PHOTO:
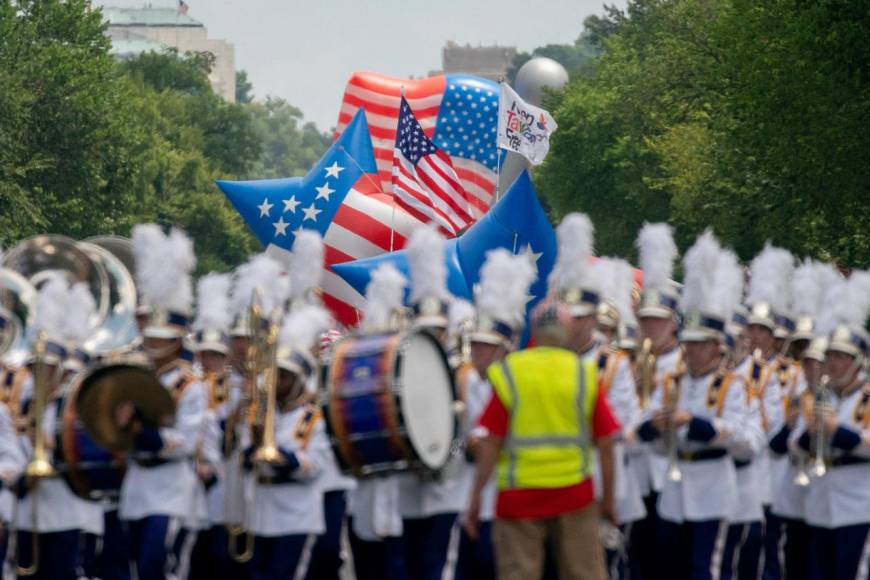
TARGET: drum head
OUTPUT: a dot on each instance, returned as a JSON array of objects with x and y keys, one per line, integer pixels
[{"x": 427, "y": 399}]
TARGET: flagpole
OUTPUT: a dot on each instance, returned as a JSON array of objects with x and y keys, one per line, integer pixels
[{"x": 497, "y": 148}]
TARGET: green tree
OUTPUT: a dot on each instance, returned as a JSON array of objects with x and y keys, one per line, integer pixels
[
  {"x": 289, "y": 148},
  {"x": 244, "y": 88}
]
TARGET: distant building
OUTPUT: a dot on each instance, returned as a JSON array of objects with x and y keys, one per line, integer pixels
[
  {"x": 137, "y": 30},
  {"x": 491, "y": 62}
]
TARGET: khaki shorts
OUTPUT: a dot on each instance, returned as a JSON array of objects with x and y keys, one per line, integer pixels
[{"x": 574, "y": 536}]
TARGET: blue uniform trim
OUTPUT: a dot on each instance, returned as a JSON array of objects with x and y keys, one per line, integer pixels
[
  {"x": 845, "y": 439},
  {"x": 148, "y": 440},
  {"x": 292, "y": 462},
  {"x": 779, "y": 443},
  {"x": 647, "y": 432},
  {"x": 701, "y": 430}
]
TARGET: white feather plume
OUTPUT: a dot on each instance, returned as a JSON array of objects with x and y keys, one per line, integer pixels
[
  {"x": 835, "y": 307},
  {"x": 384, "y": 295},
  {"x": 306, "y": 263},
  {"x": 459, "y": 312},
  {"x": 572, "y": 269},
  {"x": 80, "y": 307},
  {"x": 51, "y": 308},
  {"x": 302, "y": 328},
  {"x": 163, "y": 267},
  {"x": 727, "y": 290},
  {"x": 504, "y": 286},
  {"x": 261, "y": 273},
  {"x": 213, "y": 303},
  {"x": 810, "y": 282},
  {"x": 699, "y": 264},
  {"x": 425, "y": 250},
  {"x": 770, "y": 278},
  {"x": 615, "y": 282},
  {"x": 657, "y": 251}
]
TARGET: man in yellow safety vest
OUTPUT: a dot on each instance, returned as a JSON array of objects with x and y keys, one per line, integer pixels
[{"x": 544, "y": 421}]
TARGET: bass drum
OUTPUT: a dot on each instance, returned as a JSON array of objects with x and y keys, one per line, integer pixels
[
  {"x": 389, "y": 403},
  {"x": 91, "y": 471}
]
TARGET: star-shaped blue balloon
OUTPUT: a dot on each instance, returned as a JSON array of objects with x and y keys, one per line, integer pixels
[
  {"x": 517, "y": 222},
  {"x": 275, "y": 209}
]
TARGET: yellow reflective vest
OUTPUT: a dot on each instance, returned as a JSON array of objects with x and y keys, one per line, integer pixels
[{"x": 550, "y": 395}]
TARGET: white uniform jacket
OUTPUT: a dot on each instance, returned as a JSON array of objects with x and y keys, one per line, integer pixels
[
  {"x": 57, "y": 507},
  {"x": 649, "y": 467},
  {"x": 288, "y": 499},
  {"x": 708, "y": 488},
  {"x": 842, "y": 496},
  {"x": 616, "y": 379},
  {"x": 164, "y": 483}
]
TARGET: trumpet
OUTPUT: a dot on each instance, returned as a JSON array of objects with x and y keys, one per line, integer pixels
[
  {"x": 40, "y": 466},
  {"x": 671, "y": 397},
  {"x": 820, "y": 441},
  {"x": 645, "y": 370}
]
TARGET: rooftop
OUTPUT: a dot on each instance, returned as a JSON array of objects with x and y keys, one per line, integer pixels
[
  {"x": 148, "y": 16},
  {"x": 133, "y": 47}
]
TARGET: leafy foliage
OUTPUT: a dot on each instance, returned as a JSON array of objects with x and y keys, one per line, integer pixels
[
  {"x": 91, "y": 146},
  {"x": 739, "y": 115}
]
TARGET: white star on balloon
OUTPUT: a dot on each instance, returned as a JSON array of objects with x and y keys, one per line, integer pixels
[
  {"x": 334, "y": 169},
  {"x": 311, "y": 213},
  {"x": 290, "y": 204},
  {"x": 531, "y": 255},
  {"x": 265, "y": 207},
  {"x": 280, "y": 227},
  {"x": 323, "y": 191}
]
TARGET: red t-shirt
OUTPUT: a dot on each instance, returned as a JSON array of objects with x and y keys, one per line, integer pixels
[{"x": 546, "y": 502}]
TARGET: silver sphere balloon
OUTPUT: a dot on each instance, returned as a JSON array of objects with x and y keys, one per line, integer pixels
[
  {"x": 536, "y": 75},
  {"x": 532, "y": 78}
]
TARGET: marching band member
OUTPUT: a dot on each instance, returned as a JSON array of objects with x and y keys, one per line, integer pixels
[
  {"x": 288, "y": 507},
  {"x": 768, "y": 298},
  {"x": 810, "y": 284},
  {"x": 326, "y": 557},
  {"x": 835, "y": 439},
  {"x": 431, "y": 504},
  {"x": 501, "y": 305},
  {"x": 159, "y": 486},
  {"x": 657, "y": 317},
  {"x": 695, "y": 417},
  {"x": 210, "y": 343},
  {"x": 375, "y": 511},
  {"x": 50, "y": 518},
  {"x": 259, "y": 293},
  {"x": 616, "y": 280}
]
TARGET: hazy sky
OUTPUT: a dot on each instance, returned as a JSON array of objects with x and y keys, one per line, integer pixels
[{"x": 304, "y": 51}]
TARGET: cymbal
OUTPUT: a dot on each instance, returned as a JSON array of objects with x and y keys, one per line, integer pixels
[{"x": 107, "y": 387}]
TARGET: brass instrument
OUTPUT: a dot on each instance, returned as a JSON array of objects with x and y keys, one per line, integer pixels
[
  {"x": 40, "y": 466},
  {"x": 17, "y": 302},
  {"x": 645, "y": 371},
  {"x": 260, "y": 406},
  {"x": 820, "y": 441},
  {"x": 671, "y": 398},
  {"x": 802, "y": 477}
]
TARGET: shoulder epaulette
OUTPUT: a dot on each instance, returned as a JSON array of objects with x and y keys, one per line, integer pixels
[
  {"x": 306, "y": 424},
  {"x": 717, "y": 391},
  {"x": 862, "y": 409},
  {"x": 608, "y": 363}
]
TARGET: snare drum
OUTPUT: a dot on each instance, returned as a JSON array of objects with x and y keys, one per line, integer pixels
[
  {"x": 90, "y": 471},
  {"x": 389, "y": 403}
]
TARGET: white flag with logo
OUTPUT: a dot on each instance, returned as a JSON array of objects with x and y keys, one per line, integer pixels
[{"x": 522, "y": 127}]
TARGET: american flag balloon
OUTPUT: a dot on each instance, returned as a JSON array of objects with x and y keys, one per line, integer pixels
[{"x": 458, "y": 112}]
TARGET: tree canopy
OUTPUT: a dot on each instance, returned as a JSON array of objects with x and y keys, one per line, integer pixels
[
  {"x": 742, "y": 116},
  {"x": 93, "y": 146}
]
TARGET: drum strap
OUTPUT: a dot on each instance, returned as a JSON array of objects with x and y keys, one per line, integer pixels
[{"x": 305, "y": 427}]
